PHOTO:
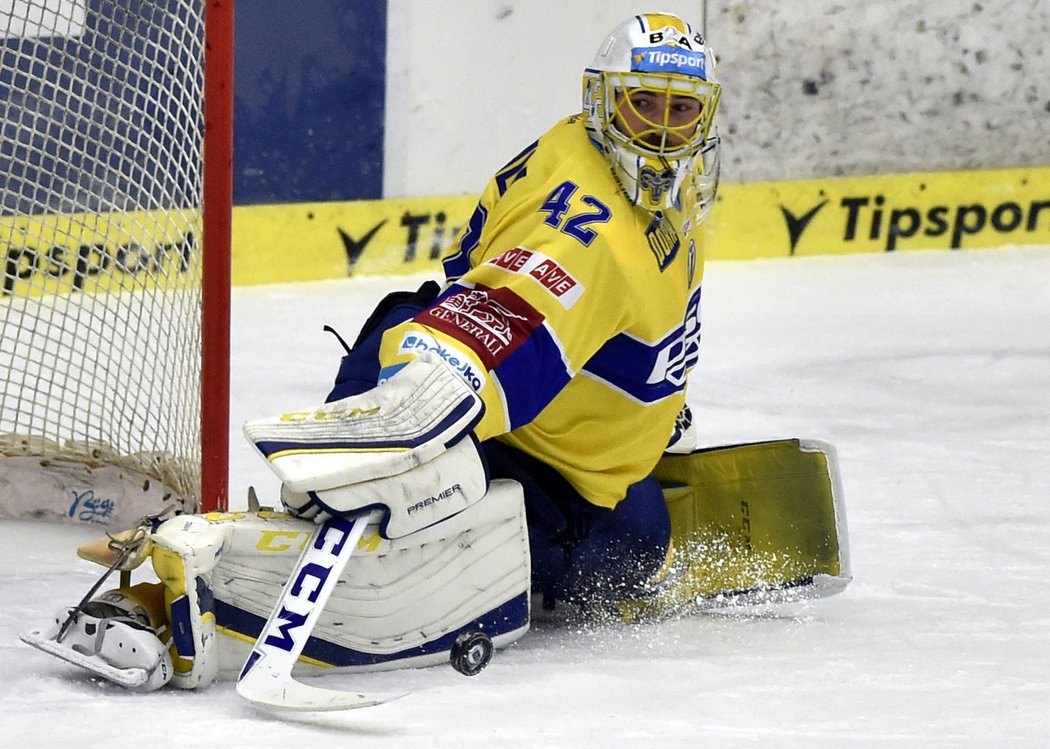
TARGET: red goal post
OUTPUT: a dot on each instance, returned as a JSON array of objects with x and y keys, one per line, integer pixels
[
  {"x": 115, "y": 211},
  {"x": 216, "y": 282}
]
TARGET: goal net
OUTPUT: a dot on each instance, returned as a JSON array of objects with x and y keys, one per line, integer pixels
[{"x": 102, "y": 239}]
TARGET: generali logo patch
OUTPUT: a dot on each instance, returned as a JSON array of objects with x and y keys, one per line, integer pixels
[{"x": 493, "y": 322}]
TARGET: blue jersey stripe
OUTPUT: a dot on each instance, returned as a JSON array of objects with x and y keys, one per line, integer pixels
[
  {"x": 649, "y": 372},
  {"x": 532, "y": 375},
  {"x": 626, "y": 364}
]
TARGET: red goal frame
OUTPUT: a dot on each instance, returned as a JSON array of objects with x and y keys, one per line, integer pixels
[{"x": 217, "y": 244}]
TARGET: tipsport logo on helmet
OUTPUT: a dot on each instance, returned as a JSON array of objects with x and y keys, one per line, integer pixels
[{"x": 668, "y": 60}]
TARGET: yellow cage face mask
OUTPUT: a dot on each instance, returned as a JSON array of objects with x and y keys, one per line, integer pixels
[{"x": 668, "y": 116}]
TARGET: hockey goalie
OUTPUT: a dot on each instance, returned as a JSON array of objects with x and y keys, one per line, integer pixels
[{"x": 517, "y": 436}]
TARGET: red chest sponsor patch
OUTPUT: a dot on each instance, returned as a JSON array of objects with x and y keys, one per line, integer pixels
[{"x": 493, "y": 322}]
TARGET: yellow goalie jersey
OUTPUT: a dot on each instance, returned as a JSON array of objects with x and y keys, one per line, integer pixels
[{"x": 574, "y": 314}]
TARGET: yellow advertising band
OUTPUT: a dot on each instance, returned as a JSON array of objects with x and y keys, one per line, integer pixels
[
  {"x": 315, "y": 241},
  {"x": 931, "y": 211},
  {"x": 99, "y": 252}
]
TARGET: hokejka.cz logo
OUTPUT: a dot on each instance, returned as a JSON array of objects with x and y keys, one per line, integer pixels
[{"x": 460, "y": 363}]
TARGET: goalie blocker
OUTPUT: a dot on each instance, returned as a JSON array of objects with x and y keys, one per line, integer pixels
[{"x": 405, "y": 447}]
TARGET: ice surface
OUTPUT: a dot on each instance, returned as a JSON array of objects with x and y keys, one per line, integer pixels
[{"x": 930, "y": 372}]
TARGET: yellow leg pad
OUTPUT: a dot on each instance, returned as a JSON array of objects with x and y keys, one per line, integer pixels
[
  {"x": 752, "y": 519},
  {"x": 185, "y": 549},
  {"x": 170, "y": 568}
]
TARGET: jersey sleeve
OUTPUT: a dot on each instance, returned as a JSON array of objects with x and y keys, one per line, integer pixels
[
  {"x": 517, "y": 327},
  {"x": 537, "y": 281}
]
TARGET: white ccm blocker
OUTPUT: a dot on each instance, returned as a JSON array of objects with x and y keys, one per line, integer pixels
[{"x": 391, "y": 477}]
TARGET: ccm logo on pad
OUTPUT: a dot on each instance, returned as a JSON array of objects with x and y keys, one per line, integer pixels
[{"x": 547, "y": 272}]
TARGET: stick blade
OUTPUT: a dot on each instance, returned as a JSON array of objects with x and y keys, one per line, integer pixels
[
  {"x": 266, "y": 679},
  {"x": 294, "y": 696}
]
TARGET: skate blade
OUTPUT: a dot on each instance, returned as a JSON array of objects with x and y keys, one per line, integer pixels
[{"x": 129, "y": 678}]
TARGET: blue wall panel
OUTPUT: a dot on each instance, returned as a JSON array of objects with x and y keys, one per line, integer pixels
[
  {"x": 72, "y": 139},
  {"x": 309, "y": 100}
]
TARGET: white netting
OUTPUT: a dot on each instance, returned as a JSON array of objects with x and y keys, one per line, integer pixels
[{"x": 100, "y": 223}]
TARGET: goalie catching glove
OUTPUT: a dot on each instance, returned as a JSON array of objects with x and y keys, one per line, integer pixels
[{"x": 405, "y": 446}]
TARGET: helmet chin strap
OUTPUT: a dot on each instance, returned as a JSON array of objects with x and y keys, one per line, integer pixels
[{"x": 680, "y": 173}]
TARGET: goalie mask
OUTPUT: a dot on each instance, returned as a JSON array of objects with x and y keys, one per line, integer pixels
[{"x": 650, "y": 99}]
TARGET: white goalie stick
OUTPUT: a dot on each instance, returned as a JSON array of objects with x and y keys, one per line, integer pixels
[{"x": 266, "y": 679}]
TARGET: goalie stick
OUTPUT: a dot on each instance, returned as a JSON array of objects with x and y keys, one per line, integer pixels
[{"x": 266, "y": 679}]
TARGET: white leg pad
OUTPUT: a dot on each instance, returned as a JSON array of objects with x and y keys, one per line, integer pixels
[{"x": 401, "y": 601}]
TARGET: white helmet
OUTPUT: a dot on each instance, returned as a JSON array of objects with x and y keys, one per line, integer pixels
[{"x": 650, "y": 99}]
